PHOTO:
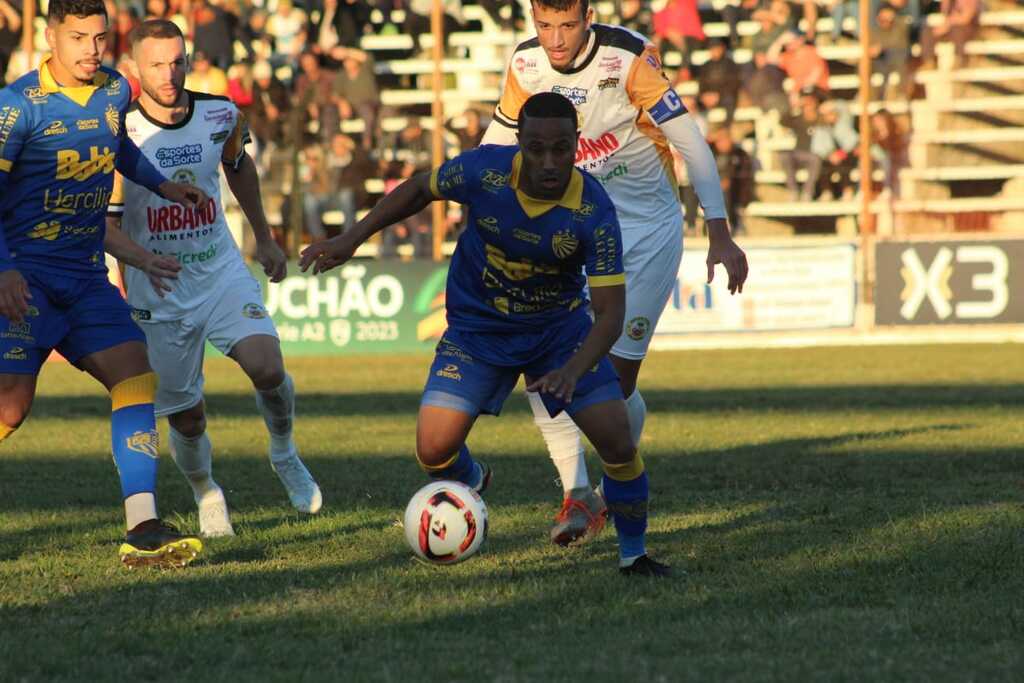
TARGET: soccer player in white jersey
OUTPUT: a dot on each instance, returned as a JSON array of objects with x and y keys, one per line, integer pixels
[
  {"x": 214, "y": 297},
  {"x": 630, "y": 117}
]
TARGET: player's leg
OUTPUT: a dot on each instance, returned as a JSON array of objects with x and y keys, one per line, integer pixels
[
  {"x": 193, "y": 454},
  {"x": 625, "y": 484},
  {"x": 16, "y": 394},
  {"x": 652, "y": 269},
  {"x": 241, "y": 328},
  {"x": 458, "y": 389},
  {"x": 105, "y": 342}
]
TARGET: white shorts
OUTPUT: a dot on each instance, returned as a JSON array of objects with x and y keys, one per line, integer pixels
[
  {"x": 176, "y": 347},
  {"x": 652, "y": 268}
]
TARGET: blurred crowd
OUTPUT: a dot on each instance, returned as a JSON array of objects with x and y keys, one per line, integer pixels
[{"x": 295, "y": 68}]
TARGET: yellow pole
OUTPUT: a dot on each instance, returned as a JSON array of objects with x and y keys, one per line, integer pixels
[
  {"x": 867, "y": 222},
  {"x": 437, "y": 111}
]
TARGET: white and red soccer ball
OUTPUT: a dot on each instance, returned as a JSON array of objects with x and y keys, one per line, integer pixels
[{"x": 445, "y": 522}]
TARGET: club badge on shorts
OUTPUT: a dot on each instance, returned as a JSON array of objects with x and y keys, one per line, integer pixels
[
  {"x": 638, "y": 328},
  {"x": 254, "y": 311}
]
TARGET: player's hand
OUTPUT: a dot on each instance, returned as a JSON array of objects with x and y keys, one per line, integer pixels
[
  {"x": 329, "y": 253},
  {"x": 559, "y": 383},
  {"x": 160, "y": 268},
  {"x": 14, "y": 295},
  {"x": 273, "y": 260},
  {"x": 187, "y": 195},
  {"x": 723, "y": 250}
]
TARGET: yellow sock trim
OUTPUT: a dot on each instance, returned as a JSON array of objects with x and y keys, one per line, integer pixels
[
  {"x": 625, "y": 471},
  {"x": 437, "y": 468},
  {"x": 5, "y": 431},
  {"x": 133, "y": 391}
]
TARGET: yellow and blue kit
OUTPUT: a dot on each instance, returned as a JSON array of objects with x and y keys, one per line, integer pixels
[
  {"x": 516, "y": 294},
  {"x": 59, "y": 147}
]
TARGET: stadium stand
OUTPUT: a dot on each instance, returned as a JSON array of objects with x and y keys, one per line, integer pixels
[{"x": 949, "y": 154}]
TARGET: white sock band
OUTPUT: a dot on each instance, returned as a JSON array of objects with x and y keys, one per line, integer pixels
[
  {"x": 562, "y": 437},
  {"x": 637, "y": 410},
  {"x": 139, "y": 508}
]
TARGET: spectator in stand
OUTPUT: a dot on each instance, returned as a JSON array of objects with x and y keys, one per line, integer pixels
[
  {"x": 719, "y": 80},
  {"x": 802, "y": 63},
  {"x": 314, "y": 90},
  {"x": 909, "y": 11},
  {"x": 890, "y": 50},
  {"x": 769, "y": 39},
  {"x": 348, "y": 167},
  {"x": 834, "y": 141},
  {"x": 268, "y": 112},
  {"x": 316, "y": 190},
  {"x": 679, "y": 24},
  {"x": 417, "y": 19},
  {"x": 889, "y": 149},
  {"x": 287, "y": 28},
  {"x": 10, "y": 32},
  {"x": 960, "y": 22},
  {"x": 840, "y": 11},
  {"x": 157, "y": 9},
  {"x": 736, "y": 171},
  {"x": 736, "y": 11},
  {"x": 340, "y": 23},
  {"x": 470, "y": 134},
  {"x": 117, "y": 40},
  {"x": 254, "y": 38},
  {"x": 412, "y": 154},
  {"x": 205, "y": 77},
  {"x": 240, "y": 86},
  {"x": 782, "y": 13},
  {"x": 802, "y": 125},
  {"x": 212, "y": 33},
  {"x": 356, "y": 92},
  {"x": 635, "y": 15},
  {"x": 765, "y": 86}
]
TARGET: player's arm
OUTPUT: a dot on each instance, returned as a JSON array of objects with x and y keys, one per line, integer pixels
[
  {"x": 133, "y": 165},
  {"x": 504, "y": 124},
  {"x": 117, "y": 243},
  {"x": 404, "y": 201},
  {"x": 14, "y": 294},
  {"x": 244, "y": 181},
  {"x": 456, "y": 179},
  {"x": 649, "y": 91}
]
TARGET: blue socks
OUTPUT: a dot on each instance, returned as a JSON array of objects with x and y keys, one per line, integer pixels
[
  {"x": 460, "y": 467},
  {"x": 627, "y": 503},
  {"x": 133, "y": 435}
]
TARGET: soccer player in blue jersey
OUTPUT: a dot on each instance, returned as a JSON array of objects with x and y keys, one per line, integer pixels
[
  {"x": 516, "y": 305},
  {"x": 61, "y": 137}
]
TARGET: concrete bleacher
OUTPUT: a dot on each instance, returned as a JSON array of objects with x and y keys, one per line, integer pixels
[{"x": 966, "y": 139}]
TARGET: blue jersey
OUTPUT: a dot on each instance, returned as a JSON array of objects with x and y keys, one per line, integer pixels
[
  {"x": 520, "y": 263},
  {"x": 59, "y": 147}
]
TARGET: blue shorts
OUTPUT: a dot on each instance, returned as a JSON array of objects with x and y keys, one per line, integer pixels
[
  {"x": 475, "y": 372},
  {"x": 76, "y": 316}
]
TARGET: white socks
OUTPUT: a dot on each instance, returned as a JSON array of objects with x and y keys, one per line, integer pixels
[
  {"x": 637, "y": 410},
  {"x": 139, "y": 508},
  {"x": 193, "y": 456},
  {"x": 278, "y": 409},
  {"x": 563, "y": 439}
]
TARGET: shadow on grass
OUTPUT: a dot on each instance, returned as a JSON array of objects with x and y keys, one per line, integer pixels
[{"x": 812, "y": 399}]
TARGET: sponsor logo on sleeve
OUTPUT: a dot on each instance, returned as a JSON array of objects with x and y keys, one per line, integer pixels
[{"x": 36, "y": 95}]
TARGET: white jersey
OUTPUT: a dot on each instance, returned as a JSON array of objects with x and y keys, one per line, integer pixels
[
  {"x": 191, "y": 151},
  {"x": 616, "y": 79}
]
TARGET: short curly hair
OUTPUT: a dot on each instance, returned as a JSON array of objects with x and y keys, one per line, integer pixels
[{"x": 61, "y": 9}]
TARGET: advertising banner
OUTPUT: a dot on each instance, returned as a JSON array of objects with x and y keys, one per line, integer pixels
[
  {"x": 949, "y": 282},
  {"x": 788, "y": 288},
  {"x": 362, "y": 307}
]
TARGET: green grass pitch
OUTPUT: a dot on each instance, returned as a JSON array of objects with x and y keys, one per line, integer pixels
[{"x": 842, "y": 513}]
